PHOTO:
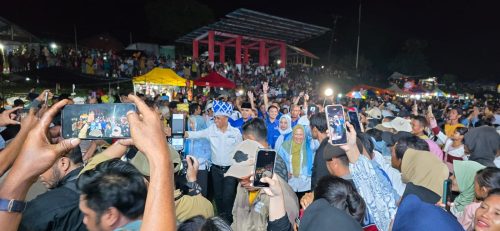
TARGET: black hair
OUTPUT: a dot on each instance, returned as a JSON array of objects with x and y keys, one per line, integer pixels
[
  {"x": 202, "y": 224},
  {"x": 462, "y": 130},
  {"x": 367, "y": 143},
  {"x": 413, "y": 142},
  {"x": 375, "y": 133},
  {"x": 114, "y": 183},
  {"x": 494, "y": 192},
  {"x": 75, "y": 155},
  {"x": 341, "y": 194},
  {"x": 193, "y": 107},
  {"x": 488, "y": 177},
  {"x": 318, "y": 121},
  {"x": 273, "y": 106},
  {"x": 421, "y": 119},
  {"x": 256, "y": 127},
  {"x": 150, "y": 103}
]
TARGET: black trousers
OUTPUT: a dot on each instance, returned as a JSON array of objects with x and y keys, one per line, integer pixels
[{"x": 224, "y": 189}]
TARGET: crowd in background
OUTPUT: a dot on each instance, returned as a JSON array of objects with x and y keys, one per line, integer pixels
[{"x": 392, "y": 173}]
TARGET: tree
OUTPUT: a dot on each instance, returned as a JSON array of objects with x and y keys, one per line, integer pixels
[
  {"x": 411, "y": 60},
  {"x": 170, "y": 19}
]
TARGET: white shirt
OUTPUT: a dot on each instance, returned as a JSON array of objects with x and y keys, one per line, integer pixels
[
  {"x": 221, "y": 144},
  {"x": 393, "y": 174}
]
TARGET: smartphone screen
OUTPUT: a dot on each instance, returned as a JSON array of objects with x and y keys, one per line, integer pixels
[
  {"x": 264, "y": 166},
  {"x": 336, "y": 124},
  {"x": 354, "y": 119},
  {"x": 177, "y": 143},
  {"x": 446, "y": 193},
  {"x": 178, "y": 124},
  {"x": 96, "y": 121}
]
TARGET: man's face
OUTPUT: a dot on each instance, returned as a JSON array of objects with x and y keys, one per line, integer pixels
[
  {"x": 295, "y": 112},
  {"x": 198, "y": 110},
  {"x": 453, "y": 115},
  {"x": 416, "y": 127},
  {"x": 245, "y": 113},
  {"x": 395, "y": 162},
  {"x": 90, "y": 218},
  {"x": 273, "y": 113},
  {"x": 51, "y": 177},
  {"x": 220, "y": 121}
]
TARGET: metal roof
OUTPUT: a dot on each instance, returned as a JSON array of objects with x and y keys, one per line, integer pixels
[
  {"x": 259, "y": 25},
  {"x": 21, "y": 35}
]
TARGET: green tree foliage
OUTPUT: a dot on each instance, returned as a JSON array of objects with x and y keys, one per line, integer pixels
[
  {"x": 170, "y": 19},
  {"x": 412, "y": 60}
]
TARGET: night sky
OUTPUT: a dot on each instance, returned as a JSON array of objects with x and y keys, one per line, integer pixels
[{"x": 463, "y": 36}]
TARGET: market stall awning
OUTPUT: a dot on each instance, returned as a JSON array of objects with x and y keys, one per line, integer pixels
[
  {"x": 214, "y": 79},
  {"x": 377, "y": 90},
  {"x": 161, "y": 76},
  {"x": 394, "y": 88}
]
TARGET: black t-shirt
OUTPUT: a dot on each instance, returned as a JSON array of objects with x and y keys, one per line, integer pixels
[{"x": 319, "y": 165}]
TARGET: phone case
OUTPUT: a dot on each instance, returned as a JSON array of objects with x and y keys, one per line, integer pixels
[
  {"x": 257, "y": 182},
  {"x": 336, "y": 125}
]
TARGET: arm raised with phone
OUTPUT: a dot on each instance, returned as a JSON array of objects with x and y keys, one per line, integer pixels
[{"x": 148, "y": 137}]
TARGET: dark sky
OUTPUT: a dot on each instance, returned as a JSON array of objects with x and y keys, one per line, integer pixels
[{"x": 463, "y": 36}]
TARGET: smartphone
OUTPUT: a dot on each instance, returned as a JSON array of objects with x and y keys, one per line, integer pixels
[
  {"x": 177, "y": 142},
  {"x": 178, "y": 124},
  {"x": 354, "y": 120},
  {"x": 46, "y": 98},
  {"x": 264, "y": 166},
  {"x": 336, "y": 124},
  {"x": 96, "y": 121},
  {"x": 446, "y": 193},
  {"x": 312, "y": 109}
]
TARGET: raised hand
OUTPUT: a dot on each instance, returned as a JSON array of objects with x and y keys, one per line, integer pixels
[
  {"x": 192, "y": 168},
  {"x": 5, "y": 118},
  {"x": 146, "y": 130},
  {"x": 38, "y": 154},
  {"x": 265, "y": 87}
]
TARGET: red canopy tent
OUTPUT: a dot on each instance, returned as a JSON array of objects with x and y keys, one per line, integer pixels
[{"x": 214, "y": 79}]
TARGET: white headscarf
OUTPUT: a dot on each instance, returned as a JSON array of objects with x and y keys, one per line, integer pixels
[{"x": 285, "y": 132}]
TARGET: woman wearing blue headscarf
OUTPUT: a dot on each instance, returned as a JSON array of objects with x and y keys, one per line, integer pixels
[
  {"x": 298, "y": 158},
  {"x": 285, "y": 129},
  {"x": 199, "y": 148}
]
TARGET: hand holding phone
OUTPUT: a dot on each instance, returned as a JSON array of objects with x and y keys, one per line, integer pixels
[
  {"x": 354, "y": 120},
  {"x": 446, "y": 198},
  {"x": 336, "y": 124},
  {"x": 192, "y": 166},
  {"x": 264, "y": 166}
]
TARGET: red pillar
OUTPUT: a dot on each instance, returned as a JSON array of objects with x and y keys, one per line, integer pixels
[
  {"x": 245, "y": 56},
  {"x": 283, "y": 55},
  {"x": 211, "y": 43},
  {"x": 222, "y": 53},
  {"x": 262, "y": 53},
  {"x": 237, "y": 58},
  {"x": 266, "y": 57},
  {"x": 195, "y": 49}
]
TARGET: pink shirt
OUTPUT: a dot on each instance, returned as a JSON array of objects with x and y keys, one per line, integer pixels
[
  {"x": 466, "y": 219},
  {"x": 435, "y": 149}
]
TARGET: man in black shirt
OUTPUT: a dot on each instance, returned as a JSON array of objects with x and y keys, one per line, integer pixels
[
  {"x": 319, "y": 129},
  {"x": 57, "y": 209}
]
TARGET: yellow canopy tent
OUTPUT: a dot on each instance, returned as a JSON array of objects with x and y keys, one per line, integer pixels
[{"x": 161, "y": 76}]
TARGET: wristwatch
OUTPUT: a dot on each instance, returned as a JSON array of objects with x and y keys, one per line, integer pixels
[{"x": 12, "y": 206}]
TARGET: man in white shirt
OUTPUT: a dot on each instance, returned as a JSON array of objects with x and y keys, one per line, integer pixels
[{"x": 223, "y": 140}]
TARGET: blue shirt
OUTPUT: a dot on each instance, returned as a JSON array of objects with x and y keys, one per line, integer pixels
[
  {"x": 238, "y": 123},
  {"x": 273, "y": 131},
  {"x": 132, "y": 226}
]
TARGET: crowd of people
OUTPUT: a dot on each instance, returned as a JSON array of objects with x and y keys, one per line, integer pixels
[{"x": 390, "y": 174}]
